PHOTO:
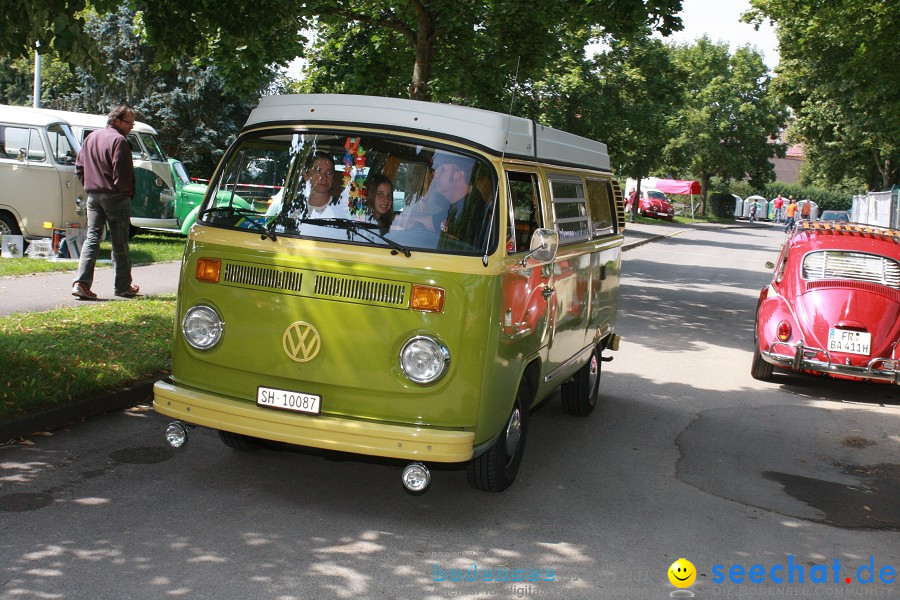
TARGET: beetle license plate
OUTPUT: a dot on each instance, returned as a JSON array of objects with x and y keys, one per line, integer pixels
[
  {"x": 851, "y": 342},
  {"x": 289, "y": 400}
]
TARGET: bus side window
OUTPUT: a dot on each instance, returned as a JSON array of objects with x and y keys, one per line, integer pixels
[
  {"x": 602, "y": 207},
  {"x": 525, "y": 203}
]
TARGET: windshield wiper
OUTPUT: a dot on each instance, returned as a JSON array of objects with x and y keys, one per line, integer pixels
[
  {"x": 359, "y": 227},
  {"x": 244, "y": 212}
]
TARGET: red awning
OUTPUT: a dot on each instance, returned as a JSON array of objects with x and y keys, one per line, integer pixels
[{"x": 677, "y": 186}]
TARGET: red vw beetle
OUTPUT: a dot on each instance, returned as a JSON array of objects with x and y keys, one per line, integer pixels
[
  {"x": 653, "y": 203},
  {"x": 833, "y": 306}
]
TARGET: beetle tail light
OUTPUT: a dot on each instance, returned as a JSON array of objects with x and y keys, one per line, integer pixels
[{"x": 783, "y": 331}]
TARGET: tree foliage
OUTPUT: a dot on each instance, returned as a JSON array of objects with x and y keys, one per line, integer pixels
[
  {"x": 186, "y": 103},
  {"x": 838, "y": 72},
  {"x": 455, "y": 47},
  {"x": 730, "y": 122}
]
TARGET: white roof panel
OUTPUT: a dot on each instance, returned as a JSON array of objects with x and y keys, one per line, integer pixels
[
  {"x": 79, "y": 119},
  {"x": 493, "y": 131},
  {"x": 24, "y": 115}
]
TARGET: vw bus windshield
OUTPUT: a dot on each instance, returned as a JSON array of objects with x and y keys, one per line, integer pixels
[
  {"x": 153, "y": 148},
  {"x": 342, "y": 188}
]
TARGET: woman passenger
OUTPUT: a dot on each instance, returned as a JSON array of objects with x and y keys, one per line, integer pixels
[{"x": 380, "y": 201}]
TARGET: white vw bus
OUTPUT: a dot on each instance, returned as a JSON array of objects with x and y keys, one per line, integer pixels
[{"x": 39, "y": 190}]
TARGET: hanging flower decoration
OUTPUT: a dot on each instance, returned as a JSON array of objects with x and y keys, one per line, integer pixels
[{"x": 355, "y": 156}]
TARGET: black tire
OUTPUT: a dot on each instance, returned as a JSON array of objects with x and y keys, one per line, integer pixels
[
  {"x": 133, "y": 231},
  {"x": 8, "y": 225},
  {"x": 579, "y": 396},
  {"x": 760, "y": 369},
  {"x": 496, "y": 469},
  {"x": 244, "y": 443}
]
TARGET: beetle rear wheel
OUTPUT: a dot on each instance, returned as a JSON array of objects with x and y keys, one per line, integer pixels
[
  {"x": 496, "y": 469},
  {"x": 760, "y": 369}
]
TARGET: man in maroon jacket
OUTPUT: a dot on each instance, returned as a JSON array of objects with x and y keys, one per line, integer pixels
[{"x": 105, "y": 168}]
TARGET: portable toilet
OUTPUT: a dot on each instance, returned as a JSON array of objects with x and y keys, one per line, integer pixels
[
  {"x": 770, "y": 213},
  {"x": 761, "y": 206},
  {"x": 738, "y": 206}
]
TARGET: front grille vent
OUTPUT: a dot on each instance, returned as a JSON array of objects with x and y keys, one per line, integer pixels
[
  {"x": 258, "y": 276},
  {"x": 366, "y": 290}
]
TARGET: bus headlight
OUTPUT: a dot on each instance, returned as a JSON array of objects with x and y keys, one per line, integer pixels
[
  {"x": 202, "y": 327},
  {"x": 424, "y": 359}
]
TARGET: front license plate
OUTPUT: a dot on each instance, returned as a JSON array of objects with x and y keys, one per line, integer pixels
[
  {"x": 289, "y": 400},
  {"x": 851, "y": 342}
]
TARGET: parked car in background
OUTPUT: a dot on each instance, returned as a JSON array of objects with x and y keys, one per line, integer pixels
[
  {"x": 188, "y": 195},
  {"x": 39, "y": 190},
  {"x": 653, "y": 203},
  {"x": 833, "y": 306},
  {"x": 153, "y": 202},
  {"x": 835, "y": 215}
]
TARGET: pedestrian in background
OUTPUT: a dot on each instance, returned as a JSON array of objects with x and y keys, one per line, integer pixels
[
  {"x": 790, "y": 212},
  {"x": 806, "y": 210},
  {"x": 106, "y": 171},
  {"x": 778, "y": 203}
]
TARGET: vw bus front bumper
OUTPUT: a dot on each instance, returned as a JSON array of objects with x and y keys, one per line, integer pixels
[{"x": 407, "y": 442}]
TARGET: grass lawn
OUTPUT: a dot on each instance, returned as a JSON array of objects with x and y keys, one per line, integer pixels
[
  {"x": 50, "y": 358},
  {"x": 145, "y": 247}
]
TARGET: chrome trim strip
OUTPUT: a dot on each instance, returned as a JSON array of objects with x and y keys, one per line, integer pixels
[{"x": 578, "y": 355}]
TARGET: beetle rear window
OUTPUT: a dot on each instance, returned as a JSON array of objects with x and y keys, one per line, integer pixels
[{"x": 856, "y": 266}]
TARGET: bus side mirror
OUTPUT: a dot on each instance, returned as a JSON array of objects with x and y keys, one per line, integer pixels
[{"x": 544, "y": 243}]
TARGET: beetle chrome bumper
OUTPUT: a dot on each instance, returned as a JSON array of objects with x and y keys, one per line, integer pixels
[{"x": 806, "y": 358}]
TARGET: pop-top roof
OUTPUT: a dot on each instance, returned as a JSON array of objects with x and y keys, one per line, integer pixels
[{"x": 499, "y": 133}]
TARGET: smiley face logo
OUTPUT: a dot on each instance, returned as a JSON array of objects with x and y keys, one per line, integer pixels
[{"x": 682, "y": 573}]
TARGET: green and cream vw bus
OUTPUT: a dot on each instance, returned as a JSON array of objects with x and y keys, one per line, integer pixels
[
  {"x": 426, "y": 340},
  {"x": 153, "y": 205}
]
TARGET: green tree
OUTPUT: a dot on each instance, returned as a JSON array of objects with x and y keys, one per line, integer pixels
[
  {"x": 730, "y": 123},
  {"x": 187, "y": 104},
  {"x": 456, "y": 45},
  {"x": 646, "y": 90},
  {"x": 838, "y": 73}
]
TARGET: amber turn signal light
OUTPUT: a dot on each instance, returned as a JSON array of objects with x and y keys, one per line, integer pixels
[
  {"x": 208, "y": 270},
  {"x": 427, "y": 298}
]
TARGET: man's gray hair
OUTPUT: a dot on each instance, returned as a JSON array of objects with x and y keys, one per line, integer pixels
[{"x": 118, "y": 112}]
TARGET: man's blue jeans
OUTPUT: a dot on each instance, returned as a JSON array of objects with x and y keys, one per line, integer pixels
[{"x": 114, "y": 210}]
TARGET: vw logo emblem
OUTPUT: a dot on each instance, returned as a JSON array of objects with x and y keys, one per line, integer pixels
[{"x": 301, "y": 341}]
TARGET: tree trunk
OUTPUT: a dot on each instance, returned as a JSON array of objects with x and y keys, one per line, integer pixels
[
  {"x": 637, "y": 200},
  {"x": 424, "y": 47},
  {"x": 704, "y": 185}
]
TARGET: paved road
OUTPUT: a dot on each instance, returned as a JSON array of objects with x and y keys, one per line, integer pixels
[{"x": 687, "y": 456}]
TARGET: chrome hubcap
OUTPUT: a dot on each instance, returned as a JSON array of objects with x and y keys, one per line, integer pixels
[
  {"x": 593, "y": 374},
  {"x": 513, "y": 432}
]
